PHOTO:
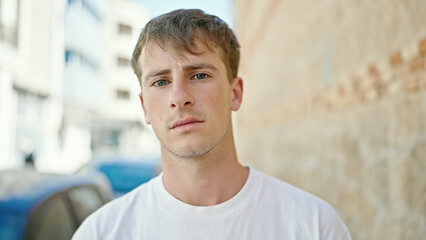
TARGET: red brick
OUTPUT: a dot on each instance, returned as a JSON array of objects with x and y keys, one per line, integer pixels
[
  {"x": 372, "y": 70},
  {"x": 422, "y": 47},
  {"x": 341, "y": 91},
  {"x": 417, "y": 64},
  {"x": 395, "y": 59}
]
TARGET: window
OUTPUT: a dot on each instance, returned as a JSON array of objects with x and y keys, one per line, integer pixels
[
  {"x": 112, "y": 138},
  {"x": 88, "y": 7},
  {"x": 124, "y": 29},
  {"x": 85, "y": 200},
  {"x": 68, "y": 55},
  {"x": 122, "y": 94},
  {"x": 82, "y": 60},
  {"x": 123, "y": 62}
]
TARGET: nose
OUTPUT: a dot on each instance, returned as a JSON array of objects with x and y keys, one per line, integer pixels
[{"x": 181, "y": 96}]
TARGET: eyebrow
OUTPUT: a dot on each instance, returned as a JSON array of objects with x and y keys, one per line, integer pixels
[
  {"x": 200, "y": 66},
  {"x": 157, "y": 73},
  {"x": 186, "y": 68}
]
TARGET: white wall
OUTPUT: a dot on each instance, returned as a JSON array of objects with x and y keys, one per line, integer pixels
[{"x": 31, "y": 83}]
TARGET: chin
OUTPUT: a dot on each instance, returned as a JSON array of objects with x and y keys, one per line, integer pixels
[
  {"x": 193, "y": 152},
  {"x": 190, "y": 154}
]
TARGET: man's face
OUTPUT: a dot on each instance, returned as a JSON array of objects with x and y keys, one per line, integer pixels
[{"x": 188, "y": 99}]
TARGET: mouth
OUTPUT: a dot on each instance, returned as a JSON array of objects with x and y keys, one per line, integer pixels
[{"x": 186, "y": 124}]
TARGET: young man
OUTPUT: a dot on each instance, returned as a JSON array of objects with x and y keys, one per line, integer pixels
[{"x": 187, "y": 63}]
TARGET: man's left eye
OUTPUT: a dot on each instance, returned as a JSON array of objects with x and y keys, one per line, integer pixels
[{"x": 200, "y": 76}]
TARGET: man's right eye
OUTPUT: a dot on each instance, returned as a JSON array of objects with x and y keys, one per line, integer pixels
[{"x": 160, "y": 83}]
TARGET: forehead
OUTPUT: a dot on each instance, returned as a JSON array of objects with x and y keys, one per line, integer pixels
[
  {"x": 198, "y": 47},
  {"x": 155, "y": 56}
]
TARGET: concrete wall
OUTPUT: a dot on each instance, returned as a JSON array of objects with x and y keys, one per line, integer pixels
[{"x": 335, "y": 103}]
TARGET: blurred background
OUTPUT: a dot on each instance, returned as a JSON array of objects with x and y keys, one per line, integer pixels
[{"x": 334, "y": 101}]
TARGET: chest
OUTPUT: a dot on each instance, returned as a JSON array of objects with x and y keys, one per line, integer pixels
[{"x": 253, "y": 223}]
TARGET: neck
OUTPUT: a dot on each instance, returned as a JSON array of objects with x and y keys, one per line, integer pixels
[{"x": 207, "y": 180}]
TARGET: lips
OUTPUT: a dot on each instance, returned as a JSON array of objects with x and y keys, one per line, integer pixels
[{"x": 185, "y": 123}]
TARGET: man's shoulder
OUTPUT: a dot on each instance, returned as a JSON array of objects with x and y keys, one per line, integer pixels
[
  {"x": 301, "y": 206},
  {"x": 291, "y": 198},
  {"x": 286, "y": 191},
  {"x": 138, "y": 194}
]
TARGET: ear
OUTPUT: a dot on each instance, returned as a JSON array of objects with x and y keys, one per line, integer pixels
[
  {"x": 147, "y": 118},
  {"x": 237, "y": 93}
]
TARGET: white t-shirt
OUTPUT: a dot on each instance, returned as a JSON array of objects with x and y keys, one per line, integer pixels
[{"x": 264, "y": 209}]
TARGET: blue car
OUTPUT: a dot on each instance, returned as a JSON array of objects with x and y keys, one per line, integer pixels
[
  {"x": 124, "y": 173},
  {"x": 48, "y": 206}
]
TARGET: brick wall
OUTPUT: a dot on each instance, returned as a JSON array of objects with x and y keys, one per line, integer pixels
[{"x": 335, "y": 103}]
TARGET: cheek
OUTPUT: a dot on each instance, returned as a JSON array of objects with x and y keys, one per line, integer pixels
[
  {"x": 157, "y": 122},
  {"x": 219, "y": 99},
  {"x": 156, "y": 113},
  {"x": 153, "y": 107}
]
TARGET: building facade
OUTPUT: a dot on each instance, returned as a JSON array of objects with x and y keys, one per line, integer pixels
[
  {"x": 102, "y": 113},
  {"x": 66, "y": 87},
  {"x": 82, "y": 80},
  {"x": 30, "y": 80},
  {"x": 120, "y": 127}
]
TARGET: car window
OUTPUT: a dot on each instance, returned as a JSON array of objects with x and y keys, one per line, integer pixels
[
  {"x": 85, "y": 200},
  {"x": 51, "y": 220}
]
